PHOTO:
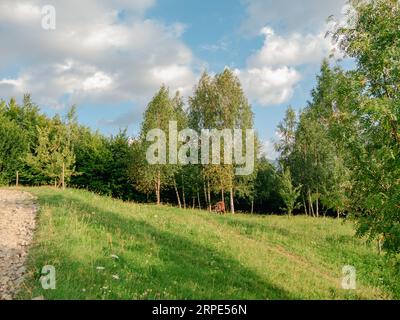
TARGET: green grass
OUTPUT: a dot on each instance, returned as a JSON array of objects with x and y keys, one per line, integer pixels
[{"x": 168, "y": 253}]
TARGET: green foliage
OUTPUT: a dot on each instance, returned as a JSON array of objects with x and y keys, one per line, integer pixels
[
  {"x": 159, "y": 112},
  {"x": 266, "y": 188},
  {"x": 118, "y": 167},
  {"x": 53, "y": 158},
  {"x": 13, "y": 148},
  {"x": 288, "y": 192},
  {"x": 372, "y": 38},
  {"x": 345, "y": 150},
  {"x": 220, "y": 103},
  {"x": 92, "y": 159},
  {"x": 286, "y": 131}
]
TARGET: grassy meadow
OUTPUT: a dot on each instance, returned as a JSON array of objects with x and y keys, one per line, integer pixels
[{"x": 103, "y": 248}]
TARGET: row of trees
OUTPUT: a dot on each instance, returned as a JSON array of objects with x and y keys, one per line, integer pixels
[
  {"x": 218, "y": 103},
  {"x": 59, "y": 151},
  {"x": 343, "y": 149}
]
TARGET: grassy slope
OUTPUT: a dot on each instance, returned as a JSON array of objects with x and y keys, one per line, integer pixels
[{"x": 167, "y": 253}]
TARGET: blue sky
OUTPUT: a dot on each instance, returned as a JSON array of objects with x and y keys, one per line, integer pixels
[{"x": 109, "y": 57}]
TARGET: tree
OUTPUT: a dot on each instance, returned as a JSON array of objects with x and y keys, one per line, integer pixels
[
  {"x": 219, "y": 103},
  {"x": 117, "y": 168},
  {"x": 53, "y": 159},
  {"x": 371, "y": 36},
  {"x": 266, "y": 187},
  {"x": 288, "y": 192},
  {"x": 310, "y": 159},
  {"x": 92, "y": 160},
  {"x": 155, "y": 176},
  {"x": 317, "y": 153},
  {"x": 286, "y": 132},
  {"x": 335, "y": 194},
  {"x": 13, "y": 148}
]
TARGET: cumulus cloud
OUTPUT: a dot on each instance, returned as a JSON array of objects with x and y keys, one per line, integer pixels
[
  {"x": 271, "y": 73},
  {"x": 107, "y": 51},
  {"x": 268, "y": 86},
  {"x": 294, "y": 50},
  {"x": 304, "y": 16},
  {"x": 102, "y": 51}
]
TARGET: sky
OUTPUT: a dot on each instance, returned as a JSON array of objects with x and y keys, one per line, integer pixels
[{"x": 110, "y": 57}]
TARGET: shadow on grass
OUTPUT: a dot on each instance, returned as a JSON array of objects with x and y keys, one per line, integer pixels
[{"x": 187, "y": 270}]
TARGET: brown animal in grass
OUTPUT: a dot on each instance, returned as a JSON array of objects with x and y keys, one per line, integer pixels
[{"x": 220, "y": 207}]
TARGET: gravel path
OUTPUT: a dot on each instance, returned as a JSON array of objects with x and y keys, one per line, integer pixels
[{"x": 17, "y": 222}]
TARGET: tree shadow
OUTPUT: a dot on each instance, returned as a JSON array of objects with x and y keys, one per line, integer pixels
[{"x": 186, "y": 269}]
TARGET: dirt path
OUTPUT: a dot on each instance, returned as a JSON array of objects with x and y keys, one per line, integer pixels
[{"x": 17, "y": 222}]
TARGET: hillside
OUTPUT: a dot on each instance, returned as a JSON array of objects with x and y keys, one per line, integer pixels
[{"x": 103, "y": 248}]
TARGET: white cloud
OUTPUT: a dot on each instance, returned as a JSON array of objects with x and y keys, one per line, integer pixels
[
  {"x": 272, "y": 73},
  {"x": 22, "y": 12},
  {"x": 294, "y": 50},
  {"x": 304, "y": 16},
  {"x": 107, "y": 51},
  {"x": 268, "y": 86},
  {"x": 99, "y": 80},
  {"x": 93, "y": 54},
  {"x": 10, "y": 82}
]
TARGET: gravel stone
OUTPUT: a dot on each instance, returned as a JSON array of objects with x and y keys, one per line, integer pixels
[{"x": 17, "y": 223}]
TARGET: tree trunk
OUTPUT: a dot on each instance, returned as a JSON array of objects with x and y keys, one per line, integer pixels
[
  {"x": 17, "y": 179},
  {"x": 317, "y": 205},
  {"x": 205, "y": 193},
  {"x": 305, "y": 206},
  {"x": 198, "y": 199},
  {"x": 380, "y": 238},
  {"x": 183, "y": 193},
  {"x": 232, "y": 203},
  {"x": 194, "y": 202},
  {"x": 209, "y": 196},
  {"x": 63, "y": 176},
  {"x": 158, "y": 188},
  {"x": 311, "y": 208},
  {"x": 222, "y": 195},
  {"x": 252, "y": 206},
  {"x": 177, "y": 194},
  {"x": 338, "y": 214},
  {"x": 156, "y": 191}
]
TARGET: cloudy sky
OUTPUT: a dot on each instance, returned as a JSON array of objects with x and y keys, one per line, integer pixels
[{"x": 109, "y": 57}]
